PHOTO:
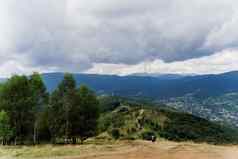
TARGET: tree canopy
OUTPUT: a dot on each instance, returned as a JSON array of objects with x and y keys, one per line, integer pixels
[{"x": 29, "y": 113}]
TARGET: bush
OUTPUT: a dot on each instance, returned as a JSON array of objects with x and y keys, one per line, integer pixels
[
  {"x": 115, "y": 133},
  {"x": 147, "y": 135}
]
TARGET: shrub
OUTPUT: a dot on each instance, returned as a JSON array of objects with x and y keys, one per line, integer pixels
[
  {"x": 115, "y": 133},
  {"x": 147, "y": 135}
]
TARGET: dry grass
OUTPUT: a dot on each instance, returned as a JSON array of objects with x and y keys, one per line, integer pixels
[
  {"x": 45, "y": 151},
  {"x": 123, "y": 150}
]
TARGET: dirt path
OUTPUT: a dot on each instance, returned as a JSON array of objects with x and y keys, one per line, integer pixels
[{"x": 164, "y": 150}]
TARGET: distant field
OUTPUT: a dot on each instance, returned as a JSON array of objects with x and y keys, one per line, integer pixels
[{"x": 122, "y": 150}]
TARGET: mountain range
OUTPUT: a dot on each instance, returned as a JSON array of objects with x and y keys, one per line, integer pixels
[
  {"x": 154, "y": 86},
  {"x": 159, "y": 87}
]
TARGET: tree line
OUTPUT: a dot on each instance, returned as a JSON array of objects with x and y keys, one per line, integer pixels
[{"x": 30, "y": 115}]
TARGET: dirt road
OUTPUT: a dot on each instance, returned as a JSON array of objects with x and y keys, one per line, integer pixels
[{"x": 163, "y": 150}]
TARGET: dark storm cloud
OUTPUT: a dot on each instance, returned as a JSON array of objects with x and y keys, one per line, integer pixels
[{"x": 74, "y": 34}]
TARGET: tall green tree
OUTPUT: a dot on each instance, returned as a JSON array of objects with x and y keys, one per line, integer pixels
[
  {"x": 55, "y": 113},
  {"x": 61, "y": 105},
  {"x": 16, "y": 100},
  {"x": 6, "y": 132},
  {"x": 86, "y": 113},
  {"x": 40, "y": 100},
  {"x": 1, "y": 86}
]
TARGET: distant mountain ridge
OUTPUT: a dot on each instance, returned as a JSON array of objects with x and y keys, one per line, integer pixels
[
  {"x": 153, "y": 87},
  {"x": 159, "y": 87},
  {"x": 161, "y": 76},
  {"x": 3, "y": 79}
]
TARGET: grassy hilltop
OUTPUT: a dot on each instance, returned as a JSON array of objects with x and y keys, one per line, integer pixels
[{"x": 135, "y": 120}]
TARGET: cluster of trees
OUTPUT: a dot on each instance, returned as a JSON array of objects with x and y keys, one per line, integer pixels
[{"x": 29, "y": 114}]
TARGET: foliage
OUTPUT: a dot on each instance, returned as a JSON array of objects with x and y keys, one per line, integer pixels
[
  {"x": 85, "y": 121},
  {"x": 115, "y": 133},
  {"x": 73, "y": 112},
  {"x": 40, "y": 101},
  {"x": 144, "y": 122},
  {"x": 16, "y": 100},
  {"x": 27, "y": 108},
  {"x": 6, "y": 132},
  {"x": 61, "y": 104},
  {"x": 147, "y": 135}
]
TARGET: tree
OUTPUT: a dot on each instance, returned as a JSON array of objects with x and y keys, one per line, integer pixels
[
  {"x": 43, "y": 125},
  {"x": 16, "y": 101},
  {"x": 40, "y": 100},
  {"x": 86, "y": 113},
  {"x": 1, "y": 86},
  {"x": 61, "y": 105},
  {"x": 6, "y": 132},
  {"x": 71, "y": 113},
  {"x": 55, "y": 119}
]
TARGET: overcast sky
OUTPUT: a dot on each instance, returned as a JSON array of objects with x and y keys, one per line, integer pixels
[{"x": 118, "y": 36}]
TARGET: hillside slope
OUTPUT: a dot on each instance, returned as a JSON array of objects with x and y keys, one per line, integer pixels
[{"x": 140, "y": 122}]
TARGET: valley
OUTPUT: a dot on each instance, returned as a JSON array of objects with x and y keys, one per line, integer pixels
[{"x": 222, "y": 109}]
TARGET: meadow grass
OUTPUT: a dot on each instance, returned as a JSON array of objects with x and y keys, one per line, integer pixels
[
  {"x": 98, "y": 148},
  {"x": 43, "y": 151},
  {"x": 51, "y": 151}
]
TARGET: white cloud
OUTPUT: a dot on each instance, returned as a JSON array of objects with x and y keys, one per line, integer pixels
[
  {"x": 72, "y": 35},
  {"x": 224, "y": 61}
]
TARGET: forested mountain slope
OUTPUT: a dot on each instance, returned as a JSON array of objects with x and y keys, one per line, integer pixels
[{"x": 153, "y": 87}]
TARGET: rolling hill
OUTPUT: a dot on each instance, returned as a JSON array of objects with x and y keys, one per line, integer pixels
[{"x": 131, "y": 120}]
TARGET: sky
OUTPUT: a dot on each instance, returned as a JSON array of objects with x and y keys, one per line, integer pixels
[{"x": 118, "y": 36}]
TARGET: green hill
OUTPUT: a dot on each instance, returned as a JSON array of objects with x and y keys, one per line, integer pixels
[{"x": 132, "y": 121}]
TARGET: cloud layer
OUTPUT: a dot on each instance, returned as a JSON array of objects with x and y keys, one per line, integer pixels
[
  {"x": 74, "y": 35},
  {"x": 217, "y": 63}
]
